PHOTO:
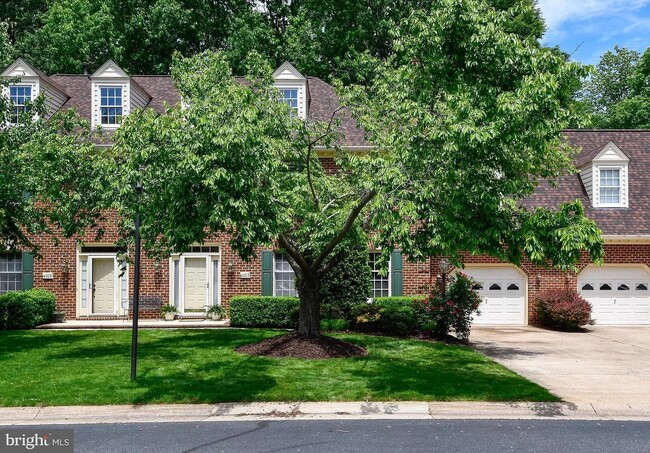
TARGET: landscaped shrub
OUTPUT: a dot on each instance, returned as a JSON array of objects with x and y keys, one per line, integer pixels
[
  {"x": 440, "y": 314},
  {"x": 346, "y": 285},
  {"x": 25, "y": 309},
  {"x": 334, "y": 324},
  {"x": 397, "y": 301},
  {"x": 396, "y": 320},
  {"x": 563, "y": 309},
  {"x": 264, "y": 311},
  {"x": 365, "y": 317}
]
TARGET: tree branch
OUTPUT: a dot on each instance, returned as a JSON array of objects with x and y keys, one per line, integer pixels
[
  {"x": 293, "y": 251},
  {"x": 347, "y": 226}
]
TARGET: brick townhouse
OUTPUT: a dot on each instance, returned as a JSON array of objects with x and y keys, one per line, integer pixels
[{"x": 613, "y": 185}]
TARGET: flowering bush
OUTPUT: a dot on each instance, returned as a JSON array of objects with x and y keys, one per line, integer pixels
[
  {"x": 441, "y": 314},
  {"x": 563, "y": 308}
]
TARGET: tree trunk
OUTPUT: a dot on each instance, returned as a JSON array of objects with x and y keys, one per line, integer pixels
[{"x": 309, "y": 292}]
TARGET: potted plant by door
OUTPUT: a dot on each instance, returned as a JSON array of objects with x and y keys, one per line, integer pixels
[
  {"x": 216, "y": 312},
  {"x": 169, "y": 312}
]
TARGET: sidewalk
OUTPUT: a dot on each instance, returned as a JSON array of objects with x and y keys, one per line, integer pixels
[
  {"x": 191, "y": 323},
  {"x": 73, "y": 415}
]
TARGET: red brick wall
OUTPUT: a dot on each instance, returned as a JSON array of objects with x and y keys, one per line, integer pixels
[{"x": 541, "y": 279}]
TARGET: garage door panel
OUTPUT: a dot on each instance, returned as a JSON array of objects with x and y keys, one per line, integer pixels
[
  {"x": 503, "y": 293},
  {"x": 618, "y": 295}
]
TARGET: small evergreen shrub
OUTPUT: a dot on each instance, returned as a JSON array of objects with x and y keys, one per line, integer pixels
[
  {"x": 399, "y": 321},
  {"x": 346, "y": 285},
  {"x": 264, "y": 311},
  {"x": 336, "y": 325},
  {"x": 563, "y": 309},
  {"x": 26, "y": 309},
  {"x": 397, "y": 301},
  {"x": 439, "y": 314},
  {"x": 365, "y": 317}
]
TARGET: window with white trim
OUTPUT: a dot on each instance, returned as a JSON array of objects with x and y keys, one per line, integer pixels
[
  {"x": 110, "y": 106},
  {"x": 380, "y": 284},
  {"x": 610, "y": 186},
  {"x": 290, "y": 97},
  {"x": 20, "y": 96},
  {"x": 284, "y": 280},
  {"x": 11, "y": 272}
]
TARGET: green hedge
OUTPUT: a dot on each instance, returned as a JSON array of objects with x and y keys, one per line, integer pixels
[
  {"x": 398, "y": 301},
  {"x": 25, "y": 309},
  {"x": 264, "y": 311}
]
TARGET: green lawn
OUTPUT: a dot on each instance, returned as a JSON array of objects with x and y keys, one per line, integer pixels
[{"x": 200, "y": 366}]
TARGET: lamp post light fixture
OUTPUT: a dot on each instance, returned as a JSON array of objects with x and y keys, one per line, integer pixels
[
  {"x": 136, "y": 285},
  {"x": 444, "y": 266}
]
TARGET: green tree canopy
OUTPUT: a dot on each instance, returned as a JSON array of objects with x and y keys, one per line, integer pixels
[
  {"x": 466, "y": 116},
  {"x": 618, "y": 92}
]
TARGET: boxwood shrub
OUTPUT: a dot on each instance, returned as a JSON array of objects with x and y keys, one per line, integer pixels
[
  {"x": 397, "y": 301},
  {"x": 264, "y": 311},
  {"x": 26, "y": 309}
]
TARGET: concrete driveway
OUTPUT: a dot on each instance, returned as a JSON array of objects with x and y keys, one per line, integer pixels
[{"x": 607, "y": 368}]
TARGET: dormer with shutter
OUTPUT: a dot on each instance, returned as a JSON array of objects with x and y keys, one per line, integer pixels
[
  {"x": 293, "y": 89},
  {"x": 29, "y": 85},
  {"x": 114, "y": 95},
  {"x": 605, "y": 178}
]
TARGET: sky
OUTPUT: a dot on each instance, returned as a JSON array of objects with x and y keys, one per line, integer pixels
[{"x": 588, "y": 28}]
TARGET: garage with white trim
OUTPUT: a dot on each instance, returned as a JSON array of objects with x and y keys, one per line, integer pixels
[
  {"x": 619, "y": 295},
  {"x": 503, "y": 291}
]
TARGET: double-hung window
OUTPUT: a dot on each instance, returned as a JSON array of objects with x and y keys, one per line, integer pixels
[
  {"x": 20, "y": 96},
  {"x": 284, "y": 280},
  {"x": 380, "y": 283},
  {"x": 290, "y": 97},
  {"x": 11, "y": 272},
  {"x": 610, "y": 186},
  {"x": 110, "y": 105}
]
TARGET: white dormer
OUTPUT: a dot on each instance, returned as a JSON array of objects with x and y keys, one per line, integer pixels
[
  {"x": 293, "y": 88},
  {"x": 606, "y": 178},
  {"x": 114, "y": 96},
  {"x": 31, "y": 83}
]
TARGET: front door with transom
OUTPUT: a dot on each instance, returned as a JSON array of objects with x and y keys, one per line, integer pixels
[
  {"x": 102, "y": 282},
  {"x": 103, "y": 285},
  {"x": 195, "y": 282}
]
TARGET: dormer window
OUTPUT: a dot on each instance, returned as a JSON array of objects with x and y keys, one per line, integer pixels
[
  {"x": 290, "y": 97},
  {"x": 292, "y": 89},
  {"x": 110, "y": 105},
  {"x": 20, "y": 96},
  {"x": 610, "y": 186},
  {"x": 605, "y": 178}
]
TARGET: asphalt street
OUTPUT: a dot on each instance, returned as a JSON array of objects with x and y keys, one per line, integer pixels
[{"x": 304, "y": 436}]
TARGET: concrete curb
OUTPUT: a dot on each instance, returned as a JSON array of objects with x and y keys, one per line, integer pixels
[{"x": 74, "y": 415}]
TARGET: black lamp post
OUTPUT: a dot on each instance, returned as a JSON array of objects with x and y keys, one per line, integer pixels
[
  {"x": 136, "y": 285},
  {"x": 444, "y": 268}
]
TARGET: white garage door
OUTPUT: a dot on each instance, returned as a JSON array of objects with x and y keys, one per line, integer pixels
[
  {"x": 618, "y": 295},
  {"x": 503, "y": 291}
]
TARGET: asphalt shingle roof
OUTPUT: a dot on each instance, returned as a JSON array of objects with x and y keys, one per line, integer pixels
[{"x": 633, "y": 220}]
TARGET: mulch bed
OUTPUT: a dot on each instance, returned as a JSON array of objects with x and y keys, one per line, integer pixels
[{"x": 299, "y": 346}]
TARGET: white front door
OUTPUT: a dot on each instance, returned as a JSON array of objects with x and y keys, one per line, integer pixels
[
  {"x": 503, "y": 294},
  {"x": 103, "y": 285},
  {"x": 618, "y": 294},
  {"x": 196, "y": 283}
]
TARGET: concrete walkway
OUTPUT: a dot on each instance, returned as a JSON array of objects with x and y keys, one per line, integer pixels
[
  {"x": 307, "y": 411},
  {"x": 606, "y": 368},
  {"x": 143, "y": 323}
]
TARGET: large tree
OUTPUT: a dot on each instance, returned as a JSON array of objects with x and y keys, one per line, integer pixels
[
  {"x": 46, "y": 184},
  {"x": 618, "y": 92},
  {"x": 466, "y": 117}
]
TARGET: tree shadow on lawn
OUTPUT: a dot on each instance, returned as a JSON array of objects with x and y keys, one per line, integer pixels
[
  {"x": 440, "y": 372},
  {"x": 18, "y": 341}
]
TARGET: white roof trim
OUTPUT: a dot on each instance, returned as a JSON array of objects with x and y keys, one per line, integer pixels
[
  {"x": 626, "y": 238},
  {"x": 611, "y": 153},
  {"x": 110, "y": 69},
  {"x": 19, "y": 68},
  {"x": 288, "y": 72}
]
